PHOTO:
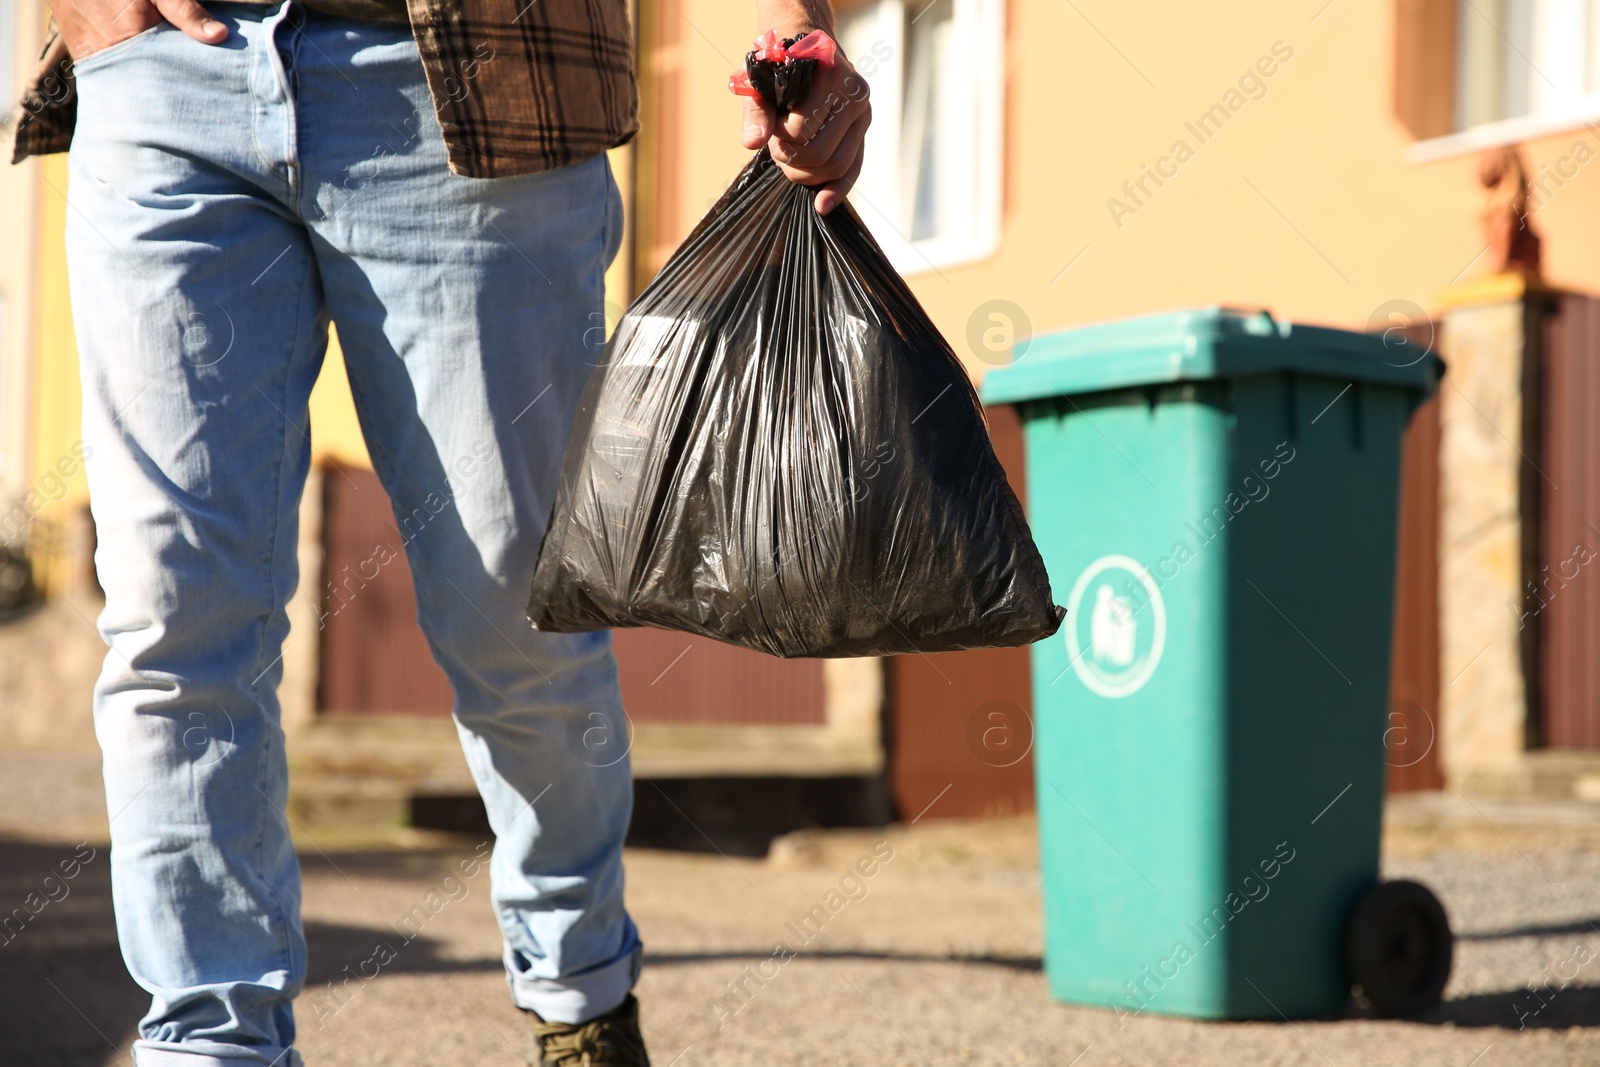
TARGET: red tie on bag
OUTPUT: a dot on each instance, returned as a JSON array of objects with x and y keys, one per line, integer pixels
[{"x": 781, "y": 70}]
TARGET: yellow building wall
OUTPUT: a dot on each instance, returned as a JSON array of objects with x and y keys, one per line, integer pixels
[
  {"x": 1304, "y": 203},
  {"x": 59, "y": 399},
  {"x": 335, "y": 431},
  {"x": 56, "y": 486}
]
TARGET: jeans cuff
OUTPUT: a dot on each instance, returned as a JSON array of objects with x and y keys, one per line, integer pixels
[
  {"x": 211, "y": 1054},
  {"x": 576, "y": 999}
]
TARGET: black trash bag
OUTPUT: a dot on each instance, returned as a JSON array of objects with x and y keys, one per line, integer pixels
[{"x": 781, "y": 452}]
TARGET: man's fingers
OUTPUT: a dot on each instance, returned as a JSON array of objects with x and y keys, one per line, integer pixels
[
  {"x": 829, "y": 142},
  {"x": 832, "y": 194},
  {"x": 758, "y": 123},
  {"x": 815, "y": 168},
  {"x": 817, "y": 124},
  {"x": 193, "y": 20},
  {"x": 821, "y": 142},
  {"x": 823, "y": 107}
]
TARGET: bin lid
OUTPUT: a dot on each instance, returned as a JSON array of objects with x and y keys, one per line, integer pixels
[{"x": 1201, "y": 344}]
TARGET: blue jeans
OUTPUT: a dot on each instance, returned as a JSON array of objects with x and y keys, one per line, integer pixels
[{"x": 225, "y": 202}]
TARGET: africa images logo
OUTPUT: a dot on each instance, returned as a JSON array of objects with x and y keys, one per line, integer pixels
[{"x": 1118, "y": 626}]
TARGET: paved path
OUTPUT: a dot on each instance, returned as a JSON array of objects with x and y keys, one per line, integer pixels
[{"x": 938, "y": 964}]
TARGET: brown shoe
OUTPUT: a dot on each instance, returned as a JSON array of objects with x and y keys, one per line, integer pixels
[{"x": 611, "y": 1040}]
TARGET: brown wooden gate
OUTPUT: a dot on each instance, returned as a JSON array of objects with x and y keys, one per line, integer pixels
[
  {"x": 375, "y": 661},
  {"x": 1413, "y": 730},
  {"x": 960, "y": 729},
  {"x": 1565, "y": 603},
  {"x": 676, "y": 677}
]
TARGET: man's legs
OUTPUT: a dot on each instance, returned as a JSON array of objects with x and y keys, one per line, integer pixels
[
  {"x": 198, "y": 315},
  {"x": 469, "y": 312}
]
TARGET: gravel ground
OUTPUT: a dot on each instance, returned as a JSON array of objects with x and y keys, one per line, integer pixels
[{"x": 938, "y": 964}]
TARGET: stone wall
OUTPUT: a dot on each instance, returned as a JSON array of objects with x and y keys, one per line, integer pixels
[{"x": 1486, "y": 528}]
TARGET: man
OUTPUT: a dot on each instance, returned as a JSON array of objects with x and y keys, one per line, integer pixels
[{"x": 429, "y": 175}]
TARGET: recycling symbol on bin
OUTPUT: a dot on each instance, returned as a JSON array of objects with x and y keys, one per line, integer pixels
[{"x": 1116, "y": 626}]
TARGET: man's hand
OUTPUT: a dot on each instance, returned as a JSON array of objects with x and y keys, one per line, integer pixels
[
  {"x": 820, "y": 142},
  {"x": 87, "y": 26}
]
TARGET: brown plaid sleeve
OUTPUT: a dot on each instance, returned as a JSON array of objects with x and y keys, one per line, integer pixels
[{"x": 518, "y": 85}]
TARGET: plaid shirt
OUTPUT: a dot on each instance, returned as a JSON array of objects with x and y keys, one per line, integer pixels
[{"x": 518, "y": 85}]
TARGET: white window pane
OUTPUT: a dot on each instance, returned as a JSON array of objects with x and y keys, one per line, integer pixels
[
  {"x": 870, "y": 35},
  {"x": 933, "y": 80},
  {"x": 1516, "y": 31},
  {"x": 1560, "y": 56},
  {"x": 857, "y": 27},
  {"x": 1591, "y": 39},
  {"x": 8, "y": 51},
  {"x": 1480, "y": 63}
]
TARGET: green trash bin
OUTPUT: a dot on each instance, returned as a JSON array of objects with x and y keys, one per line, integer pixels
[{"x": 1215, "y": 494}]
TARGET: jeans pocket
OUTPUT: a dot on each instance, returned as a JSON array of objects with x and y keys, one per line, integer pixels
[{"x": 97, "y": 59}]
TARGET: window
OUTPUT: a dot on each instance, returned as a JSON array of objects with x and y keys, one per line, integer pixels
[
  {"x": 1527, "y": 57},
  {"x": 1475, "y": 74},
  {"x": 930, "y": 187}
]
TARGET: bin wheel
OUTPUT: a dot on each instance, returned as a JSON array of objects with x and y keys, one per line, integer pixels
[{"x": 1399, "y": 948}]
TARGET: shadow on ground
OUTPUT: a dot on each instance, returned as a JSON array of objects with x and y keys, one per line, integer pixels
[
  {"x": 728, "y": 816},
  {"x": 1523, "y": 1009},
  {"x": 1578, "y": 926},
  {"x": 66, "y": 998},
  {"x": 1025, "y": 964}
]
